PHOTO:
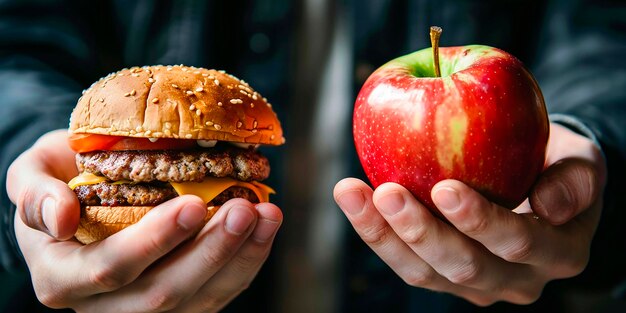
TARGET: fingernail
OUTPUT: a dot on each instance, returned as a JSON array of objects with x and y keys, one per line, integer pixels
[
  {"x": 391, "y": 203},
  {"x": 446, "y": 199},
  {"x": 352, "y": 201},
  {"x": 191, "y": 216},
  {"x": 49, "y": 216},
  {"x": 265, "y": 229},
  {"x": 238, "y": 220}
]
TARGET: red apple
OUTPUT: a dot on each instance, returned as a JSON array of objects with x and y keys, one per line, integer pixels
[{"x": 483, "y": 122}]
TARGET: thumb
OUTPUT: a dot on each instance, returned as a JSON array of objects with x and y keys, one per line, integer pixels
[
  {"x": 43, "y": 202},
  {"x": 565, "y": 189}
]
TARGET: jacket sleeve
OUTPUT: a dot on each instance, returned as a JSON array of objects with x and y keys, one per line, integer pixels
[
  {"x": 43, "y": 56},
  {"x": 582, "y": 72}
]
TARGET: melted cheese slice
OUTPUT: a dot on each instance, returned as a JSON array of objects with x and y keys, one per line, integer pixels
[
  {"x": 85, "y": 179},
  {"x": 210, "y": 187},
  {"x": 207, "y": 190}
]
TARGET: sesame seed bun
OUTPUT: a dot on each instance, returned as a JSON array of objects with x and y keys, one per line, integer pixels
[
  {"x": 176, "y": 102},
  {"x": 100, "y": 222}
]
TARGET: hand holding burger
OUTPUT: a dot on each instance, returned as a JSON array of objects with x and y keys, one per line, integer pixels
[{"x": 162, "y": 261}]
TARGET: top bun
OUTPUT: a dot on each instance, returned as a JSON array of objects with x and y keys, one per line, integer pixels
[{"x": 176, "y": 102}]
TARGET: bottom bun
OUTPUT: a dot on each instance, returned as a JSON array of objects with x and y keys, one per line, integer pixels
[{"x": 99, "y": 222}]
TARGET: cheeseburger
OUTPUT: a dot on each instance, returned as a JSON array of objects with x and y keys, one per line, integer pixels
[{"x": 148, "y": 134}]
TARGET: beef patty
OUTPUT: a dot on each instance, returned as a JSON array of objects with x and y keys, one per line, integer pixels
[
  {"x": 175, "y": 166},
  {"x": 108, "y": 194}
]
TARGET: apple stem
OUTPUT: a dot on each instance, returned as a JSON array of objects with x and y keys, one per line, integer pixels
[{"x": 435, "y": 34}]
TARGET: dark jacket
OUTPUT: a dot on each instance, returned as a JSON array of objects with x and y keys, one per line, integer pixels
[{"x": 51, "y": 50}]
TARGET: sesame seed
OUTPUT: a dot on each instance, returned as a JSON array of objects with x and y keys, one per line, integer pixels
[
  {"x": 192, "y": 107},
  {"x": 189, "y": 92},
  {"x": 155, "y": 100},
  {"x": 205, "y": 74},
  {"x": 244, "y": 92},
  {"x": 254, "y": 97},
  {"x": 169, "y": 68},
  {"x": 133, "y": 92},
  {"x": 251, "y": 105},
  {"x": 188, "y": 136},
  {"x": 208, "y": 123},
  {"x": 222, "y": 71},
  {"x": 283, "y": 140},
  {"x": 153, "y": 139},
  {"x": 217, "y": 126},
  {"x": 199, "y": 89},
  {"x": 134, "y": 75},
  {"x": 175, "y": 86},
  {"x": 198, "y": 112},
  {"x": 150, "y": 80},
  {"x": 184, "y": 69},
  {"x": 217, "y": 82},
  {"x": 148, "y": 132},
  {"x": 219, "y": 104},
  {"x": 127, "y": 94},
  {"x": 272, "y": 137},
  {"x": 167, "y": 132},
  {"x": 254, "y": 131},
  {"x": 235, "y": 101},
  {"x": 269, "y": 105},
  {"x": 101, "y": 99},
  {"x": 196, "y": 72},
  {"x": 239, "y": 124},
  {"x": 138, "y": 129},
  {"x": 255, "y": 124},
  {"x": 168, "y": 125},
  {"x": 270, "y": 127}
]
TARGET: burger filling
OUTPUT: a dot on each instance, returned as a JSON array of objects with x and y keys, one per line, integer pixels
[{"x": 150, "y": 177}]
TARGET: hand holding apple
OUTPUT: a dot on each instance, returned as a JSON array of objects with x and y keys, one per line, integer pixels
[
  {"x": 486, "y": 253},
  {"x": 482, "y": 122}
]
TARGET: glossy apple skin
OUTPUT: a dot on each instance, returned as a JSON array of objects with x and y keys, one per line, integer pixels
[{"x": 484, "y": 122}]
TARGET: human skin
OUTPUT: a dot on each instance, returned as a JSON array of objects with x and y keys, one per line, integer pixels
[
  {"x": 487, "y": 253},
  {"x": 167, "y": 261}
]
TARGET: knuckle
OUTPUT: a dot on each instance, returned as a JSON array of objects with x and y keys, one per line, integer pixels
[
  {"x": 420, "y": 278},
  {"x": 482, "y": 301},
  {"x": 156, "y": 245},
  {"x": 107, "y": 278},
  {"x": 467, "y": 274},
  {"x": 416, "y": 235},
  {"x": 217, "y": 255},
  {"x": 163, "y": 299},
  {"x": 375, "y": 235},
  {"x": 245, "y": 262},
  {"x": 524, "y": 297},
  {"x": 519, "y": 250},
  {"x": 476, "y": 225}
]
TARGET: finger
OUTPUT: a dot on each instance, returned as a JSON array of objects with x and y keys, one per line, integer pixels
[
  {"x": 565, "y": 189},
  {"x": 119, "y": 259},
  {"x": 516, "y": 238},
  {"x": 43, "y": 201},
  {"x": 354, "y": 197},
  {"x": 178, "y": 276},
  {"x": 237, "y": 274},
  {"x": 456, "y": 257}
]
